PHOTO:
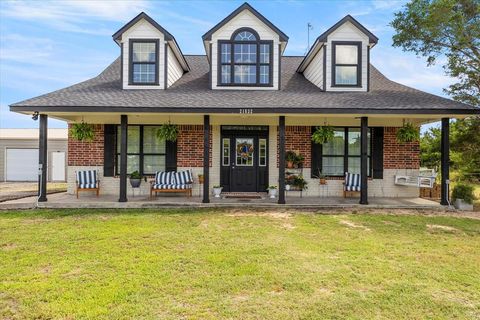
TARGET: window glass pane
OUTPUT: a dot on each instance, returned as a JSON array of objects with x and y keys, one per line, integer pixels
[
  {"x": 346, "y": 75},
  {"x": 143, "y": 52},
  {"x": 337, "y": 145},
  {"x": 354, "y": 141},
  {"x": 245, "y": 53},
  {"x": 133, "y": 139},
  {"x": 264, "y": 74},
  {"x": 245, "y": 36},
  {"x": 133, "y": 162},
  {"x": 346, "y": 54},
  {"x": 226, "y": 152},
  {"x": 264, "y": 53},
  {"x": 245, "y": 74},
  {"x": 226, "y": 53},
  {"x": 354, "y": 165},
  {"x": 244, "y": 151},
  {"x": 150, "y": 142},
  {"x": 152, "y": 164},
  {"x": 262, "y": 152},
  {"x": 332, "y": 166},
  {"x": 143, "y": 73},
  {"x": 226, "y": 77}
]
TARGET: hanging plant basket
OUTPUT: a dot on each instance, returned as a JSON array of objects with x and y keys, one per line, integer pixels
[
  {"x": 168, "y": 132},
  {"x": 323, "y": 134},
  {"x": 82, "y": 132},
  {"x": 408, "y": 133}
]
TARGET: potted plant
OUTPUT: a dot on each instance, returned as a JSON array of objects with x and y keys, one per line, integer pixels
[
  {"x": 135, "y": 179},
  {"x": 167, "y": 132},
  {"x": 463, "y": 197},
  {"x": 408, "y": 133},
  {"x": 321, "y": 177},
  {"x": 82, "y": 132},
  {"x": 200, "y": 178},
  {"x": 299, "y": 160},
  {"x": 290, "y": 157},
  {"x": 288, "y": 187},
  {"x": 272, "y": 192},
  {"x": 217, "y": 190},
  {"x": 300, "y": 183},
  {"x": 323, "y": 134}
]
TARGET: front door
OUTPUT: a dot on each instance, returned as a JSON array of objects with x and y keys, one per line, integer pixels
[{"x": 244, "y": 161}]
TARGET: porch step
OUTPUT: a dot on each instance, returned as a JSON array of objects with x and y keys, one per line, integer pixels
[{"x": 244, "y": 195}]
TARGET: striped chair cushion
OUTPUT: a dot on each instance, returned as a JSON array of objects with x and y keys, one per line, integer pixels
[
  {"x": 183, "y": 177},
  {"x": 87, "y": 179},
  {"x": 352, "y": 181},
  {"x": 172, "y": 186},
  {"x": 164, "y": 178}
]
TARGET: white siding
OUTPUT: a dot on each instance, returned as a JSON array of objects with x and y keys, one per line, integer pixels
[
  {"x": 314, "y": 71},
  {"x": 245, "y": 19},
  {"x": 347, "y": 32},
  {"x": 174, "y": 70},
  {"x": 143, "y": 30}
]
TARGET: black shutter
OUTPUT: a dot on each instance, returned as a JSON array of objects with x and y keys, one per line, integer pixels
[
  {"x": 377, "y": 153},
  {"x": 171, "y": 157},
  {"x": 109, "y": 150},
  {"x": 316, "y": 158}
]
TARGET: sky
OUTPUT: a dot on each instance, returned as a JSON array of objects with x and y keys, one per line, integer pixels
[{"x": 49, "y": 45}]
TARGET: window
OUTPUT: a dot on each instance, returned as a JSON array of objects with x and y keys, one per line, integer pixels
[
  {"x": 342, "y": 154},
  {"x": 262, "y": 152},
  {"x": 244, "y": 151},
  {"x": 226, "y": 152},
  {"x": 145, "y": 153},
  {"x": 245, "y": 60},
  {"x": 143, "y": 62},
  {"x": 346, "y": 64}
]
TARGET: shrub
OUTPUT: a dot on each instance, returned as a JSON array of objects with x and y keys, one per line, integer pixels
[{"x": 463, "y": 191}]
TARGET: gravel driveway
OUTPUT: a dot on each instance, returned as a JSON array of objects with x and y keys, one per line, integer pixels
[{"x": 17, "y": 190}]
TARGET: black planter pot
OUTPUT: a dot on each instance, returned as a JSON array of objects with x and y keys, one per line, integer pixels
[{"x": 135, "y": 183}]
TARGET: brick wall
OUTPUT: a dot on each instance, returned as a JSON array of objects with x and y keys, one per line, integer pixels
[
  {"x": 190, "y": 146},
  {"x": 399, "y": 155},
  {"x": 298, "y": 139},
  {"x": 86, "y": 153}
]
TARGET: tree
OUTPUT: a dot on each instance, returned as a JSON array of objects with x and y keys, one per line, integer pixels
[
  {"x": 445, "y": 28},
  {"x": 465, "y": 146},
  {"x": 430, "y": 154}
]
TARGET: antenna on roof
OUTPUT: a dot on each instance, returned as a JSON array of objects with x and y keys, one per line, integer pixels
[{"x": 309, "y": 27}]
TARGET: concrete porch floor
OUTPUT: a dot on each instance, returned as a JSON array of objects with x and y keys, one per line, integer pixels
[{"x": 64, "y": 200}]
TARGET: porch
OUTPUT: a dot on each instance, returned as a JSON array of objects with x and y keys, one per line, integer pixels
[{"x": 257, "y": 200}]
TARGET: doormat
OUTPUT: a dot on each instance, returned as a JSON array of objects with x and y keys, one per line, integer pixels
[{"x": 249, "y": 197}]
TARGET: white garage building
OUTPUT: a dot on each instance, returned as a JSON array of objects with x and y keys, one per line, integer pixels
[{"x": 19, "y": 154}]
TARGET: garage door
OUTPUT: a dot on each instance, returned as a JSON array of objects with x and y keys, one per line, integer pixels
[{"x": 22, "y": 164}]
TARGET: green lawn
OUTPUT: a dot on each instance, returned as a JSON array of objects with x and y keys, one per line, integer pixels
[{"x": 181, "y": 264}]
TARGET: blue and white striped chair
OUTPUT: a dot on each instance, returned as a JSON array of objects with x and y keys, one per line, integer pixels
[
  {"x": 351, "y": 184},
  {"x": 87, "y": 180},
  {"x": 180, "y": 181}
]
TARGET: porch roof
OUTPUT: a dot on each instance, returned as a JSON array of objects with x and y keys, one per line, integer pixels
[{"x": 192, "y": 94}]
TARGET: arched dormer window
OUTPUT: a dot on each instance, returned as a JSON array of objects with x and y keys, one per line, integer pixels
[{"x": 245, "y": 60}]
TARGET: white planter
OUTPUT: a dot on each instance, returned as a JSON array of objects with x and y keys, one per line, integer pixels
[
  {"x": 462, "y": 205},
  {"x": 287, "y": 187},
  {"x": 217, "y": 192},
  {"x": 272, "y": 193}
]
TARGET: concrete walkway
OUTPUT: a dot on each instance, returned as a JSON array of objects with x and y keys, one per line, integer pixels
[{"x": 64, "y": 200}]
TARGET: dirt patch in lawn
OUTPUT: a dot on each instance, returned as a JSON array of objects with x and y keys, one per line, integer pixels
[
  {"x": 277, "y": 214},
  {"x": 352, "y": 225},
  {"x": 437, "y": 227}
]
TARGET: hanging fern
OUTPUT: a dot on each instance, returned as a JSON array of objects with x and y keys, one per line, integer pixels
[
  {"x": 82, "y": 132},
  {"x": 323, "y": 134},
  {"x": 408, "y": 133},
  {"x": 167, "y": 132}
]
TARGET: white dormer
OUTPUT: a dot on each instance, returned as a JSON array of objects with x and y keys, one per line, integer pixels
[
  {"x": 151, "y": 58},
  {"x": 244, "y": 51},
  {"x": 339, "y": 60}
]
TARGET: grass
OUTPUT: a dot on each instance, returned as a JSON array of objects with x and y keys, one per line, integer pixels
[{"x": 176, "y": 264}]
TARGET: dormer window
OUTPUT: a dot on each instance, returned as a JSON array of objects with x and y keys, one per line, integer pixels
[
  {"x": 245, "y": 60},
  {"x": 346, "y": 71},
  {"x": 143, "y": 62}
]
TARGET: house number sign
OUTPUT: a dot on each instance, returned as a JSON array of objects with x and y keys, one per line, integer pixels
[{"x": 246, "y": 111}]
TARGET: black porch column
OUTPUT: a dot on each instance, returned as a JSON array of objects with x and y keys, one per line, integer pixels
[
  {"x": 445, "y": 155},
  {"x": 42, "y": 158},
  {"x": 206, "y": 159},
  {"x": 123, "y": 158},
  {"x": 281, "y": 160},
  {"x": 364, "y": 161}
]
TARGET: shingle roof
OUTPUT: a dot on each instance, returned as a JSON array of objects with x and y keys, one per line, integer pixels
[{"x": 191, "y": 93}]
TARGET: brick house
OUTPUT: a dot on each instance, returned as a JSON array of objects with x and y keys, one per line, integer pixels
[{"x": 245, "y": 93}]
